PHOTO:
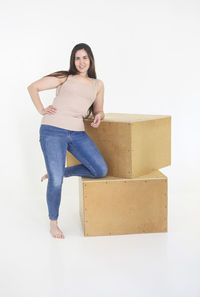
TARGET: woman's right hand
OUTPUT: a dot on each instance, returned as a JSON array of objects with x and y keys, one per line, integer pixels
[{"x": 48, "y": 110}]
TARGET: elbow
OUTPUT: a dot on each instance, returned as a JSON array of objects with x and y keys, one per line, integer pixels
[{"x": 31, "y": 87}]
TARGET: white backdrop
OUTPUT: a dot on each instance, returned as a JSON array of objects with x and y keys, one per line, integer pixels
[{"x": 146, "y": 53}]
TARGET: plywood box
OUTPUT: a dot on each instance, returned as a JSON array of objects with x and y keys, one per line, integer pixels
[
  {"x": 111, "y": 206},
  {"x": 131, "y": 144}
]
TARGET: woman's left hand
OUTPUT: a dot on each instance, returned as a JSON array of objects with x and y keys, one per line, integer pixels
[{"x": 96, "y": 122}]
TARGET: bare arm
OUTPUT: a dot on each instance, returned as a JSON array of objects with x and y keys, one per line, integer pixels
[
  {"x": 99, "y": 101},
  {"x": 45, "y": 83}
]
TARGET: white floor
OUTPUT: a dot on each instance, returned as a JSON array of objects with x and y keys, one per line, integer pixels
[{"x": 32, "y": 263}]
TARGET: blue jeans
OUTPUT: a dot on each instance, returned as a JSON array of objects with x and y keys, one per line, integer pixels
[{"x": 55, "y": 142}]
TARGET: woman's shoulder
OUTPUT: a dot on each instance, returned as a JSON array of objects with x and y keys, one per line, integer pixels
[
  {"x": 100, "y": 84},
  {"x": 62, "y": 79}
]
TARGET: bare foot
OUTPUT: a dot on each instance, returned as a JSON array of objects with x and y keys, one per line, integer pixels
[
  {"x": 55, "y": 230},
  {"x": 44, "y": 177}
]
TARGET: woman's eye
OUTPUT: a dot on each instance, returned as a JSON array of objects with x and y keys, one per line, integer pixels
[{"x": 79, "y": 58}]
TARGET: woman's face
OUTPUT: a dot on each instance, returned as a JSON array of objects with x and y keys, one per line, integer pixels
[{"x": 82, "y": 61}]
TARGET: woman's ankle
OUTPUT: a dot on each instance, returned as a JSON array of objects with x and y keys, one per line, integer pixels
[{"x": 53, "y": 222}]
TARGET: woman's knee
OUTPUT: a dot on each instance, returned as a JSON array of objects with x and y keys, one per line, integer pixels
[
  {"x": 55, "y": 180},
  {"x": 102, "y": 170}
]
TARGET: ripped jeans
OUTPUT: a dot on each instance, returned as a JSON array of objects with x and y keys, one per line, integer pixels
[{"x": 55, "y": 142}]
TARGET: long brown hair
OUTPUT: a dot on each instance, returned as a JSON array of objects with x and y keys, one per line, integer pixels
[{"x": 72, "y": 70}]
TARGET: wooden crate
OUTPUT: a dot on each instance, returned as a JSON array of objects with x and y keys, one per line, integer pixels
[
  {"x": 111, "y": 206},
  {"x": 131, "y": 144}
]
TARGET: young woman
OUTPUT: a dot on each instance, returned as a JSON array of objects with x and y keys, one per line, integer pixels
[{"x": 78, "y": 93}]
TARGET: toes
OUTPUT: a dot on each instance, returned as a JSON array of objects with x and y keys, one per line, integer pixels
[
  {"x": 57, "y": 235},
  {"x": 60, "y": 235}
]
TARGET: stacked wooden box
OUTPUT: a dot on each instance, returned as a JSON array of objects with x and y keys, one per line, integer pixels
[{"x": 133, "y": 197}]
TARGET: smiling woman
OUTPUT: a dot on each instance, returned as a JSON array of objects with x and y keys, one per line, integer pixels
[
  {"x": 82, "y": 60},
  {"x": 78, "y": 93}
]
